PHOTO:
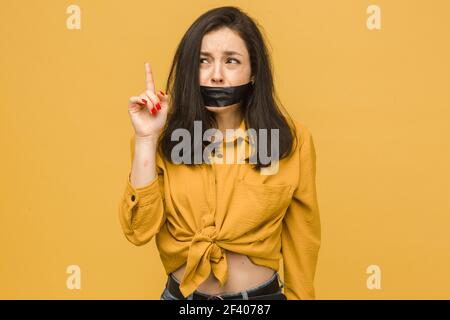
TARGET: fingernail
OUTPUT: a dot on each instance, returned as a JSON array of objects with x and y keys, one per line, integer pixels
[
  {"x": 153, "y": 111},
  {"x": 144, "y": 101},
  {"x": 158, "y": 106},
  {"x": 160, "y": 91}
]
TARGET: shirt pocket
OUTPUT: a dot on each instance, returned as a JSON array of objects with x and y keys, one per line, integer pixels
[{"x": 255, "y": 205}]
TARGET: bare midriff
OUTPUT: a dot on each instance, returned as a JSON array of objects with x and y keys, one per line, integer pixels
[{"x": 243, "y": 274}]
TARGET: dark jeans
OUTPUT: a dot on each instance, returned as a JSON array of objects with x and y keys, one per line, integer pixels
[{"x": 249, "y": 294}]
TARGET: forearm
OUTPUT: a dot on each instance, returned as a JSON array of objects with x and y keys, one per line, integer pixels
[{"x": 143, "y": 169}]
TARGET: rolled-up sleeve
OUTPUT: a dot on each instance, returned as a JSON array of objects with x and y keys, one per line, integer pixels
[
  {"x": 301, "y": 230},
  {"x": 141, "y": 210}
]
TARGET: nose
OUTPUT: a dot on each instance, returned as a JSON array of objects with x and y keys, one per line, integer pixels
[
  {"x": 216, "y": 80},
  {"x": 217, "y": 77}
]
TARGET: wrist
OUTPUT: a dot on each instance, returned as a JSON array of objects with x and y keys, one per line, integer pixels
[{"x": 148, "y": 139}]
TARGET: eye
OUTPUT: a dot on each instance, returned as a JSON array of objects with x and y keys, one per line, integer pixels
[
  {"x": 237, "y": 61},
  {"x": 230, "y": 59}
]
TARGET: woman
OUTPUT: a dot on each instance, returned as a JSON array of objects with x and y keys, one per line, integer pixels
[{"x": 222, "y": 228}]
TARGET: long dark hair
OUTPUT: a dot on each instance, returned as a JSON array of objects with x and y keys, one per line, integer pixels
[{"x": 260, "y": 109}]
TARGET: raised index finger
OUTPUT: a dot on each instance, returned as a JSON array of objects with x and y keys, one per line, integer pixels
[{"x": 149, "y": 78}]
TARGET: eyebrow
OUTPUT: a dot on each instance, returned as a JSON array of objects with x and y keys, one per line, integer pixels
[{"x": 228, "y": 53}]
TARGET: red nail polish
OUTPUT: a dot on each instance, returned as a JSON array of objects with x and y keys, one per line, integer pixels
[
  {"x": 153, "y": 111},
  {"x": 158, "y": 106},
  {"x": 144, "y": 101},
  {"x": 160, "y": 91}
]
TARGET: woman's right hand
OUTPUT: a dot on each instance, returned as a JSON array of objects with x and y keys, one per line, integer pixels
[{"x": 148, "y": 111}]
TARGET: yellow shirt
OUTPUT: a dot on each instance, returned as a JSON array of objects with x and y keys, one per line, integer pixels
[{"x": 197, "y": 212}]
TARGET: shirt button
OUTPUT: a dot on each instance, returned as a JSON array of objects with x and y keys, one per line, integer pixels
[{"x": 133, "y": 197}]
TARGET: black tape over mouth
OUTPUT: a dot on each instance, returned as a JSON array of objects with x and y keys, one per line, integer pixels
[{"x": 224, "y": 96}]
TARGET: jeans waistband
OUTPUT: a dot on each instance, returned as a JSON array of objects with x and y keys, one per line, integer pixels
[{"x": 271, "y": 286}]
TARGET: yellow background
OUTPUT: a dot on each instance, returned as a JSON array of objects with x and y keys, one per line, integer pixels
[{"x": 377, "y": 103}]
